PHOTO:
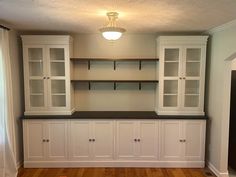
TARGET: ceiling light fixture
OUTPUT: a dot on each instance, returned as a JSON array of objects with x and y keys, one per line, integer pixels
[{"x": 112, "y": 32}]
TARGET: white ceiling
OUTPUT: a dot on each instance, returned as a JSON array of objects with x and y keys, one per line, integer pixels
[{"x": 144, "y": 16}]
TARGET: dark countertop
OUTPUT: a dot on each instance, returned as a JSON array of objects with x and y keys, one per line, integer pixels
[{"x": 114, "y": 115}]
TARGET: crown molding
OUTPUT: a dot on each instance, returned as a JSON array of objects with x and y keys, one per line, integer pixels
[{"x": 221, "y": 27}]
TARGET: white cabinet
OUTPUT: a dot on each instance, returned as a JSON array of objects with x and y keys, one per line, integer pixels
[
  {"x": 182, "y": 140},
  {"x": 91, "y": 140},
  {"x": 45, "y": 140},
  {"x": 47, "y": 75},
  {"x": 114, "y": 143},
  {"x": 137, "y": 140},
  {"x": 181, "y": 74}
]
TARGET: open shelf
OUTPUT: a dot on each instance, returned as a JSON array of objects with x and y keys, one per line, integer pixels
[
  {"x": 115, "y": 81},
  {"x": 114, "y": 60}
]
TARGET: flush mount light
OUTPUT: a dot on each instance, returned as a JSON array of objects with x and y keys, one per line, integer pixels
[{"x": 112, "y": 32}]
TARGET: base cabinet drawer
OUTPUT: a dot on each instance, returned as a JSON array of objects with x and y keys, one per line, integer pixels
[{"x": 114, "y": 143}]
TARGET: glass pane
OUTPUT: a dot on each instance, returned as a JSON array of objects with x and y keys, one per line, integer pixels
[
  {"x": 191, "y": 87},
  {"x": 191, "y": 100},
  {"x": 57, "y": 69},
  {"x": 36, "y": 100},
  {"x": 59, "y": 100},
  {"x": 35, "y": 53},
  {"x": 193, "y": 54},
  {"x": 193, "y": 69},
  {"x": 171, "y": 54},
  {"x": 170, "y": 100},
  {"x": 58, "y": 86},
  {"x": 36, "y": 68},
  {"x": 36, "y": 86},
  {"x": 57, "y": 54},
  {"x": 170, "y": 87},
  {"x": 171, "y": 69}
]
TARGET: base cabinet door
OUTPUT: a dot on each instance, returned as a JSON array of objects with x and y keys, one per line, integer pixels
[
  {"x": 183, "y": 140},
  {"x": 194, "y": 132},
  {"x": 57, "y": 137},
  {"x": 171, "y": 147},
  {"x": 103, "y": 140},
  {"x": 34, "y": 146},
  {"x": 125, "y": 140},
  {"x": 80, "y": 141},
  {"x": 148, "y": 140}
]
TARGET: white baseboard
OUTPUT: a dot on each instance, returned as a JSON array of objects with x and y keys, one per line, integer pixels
[
  {"x": 19, "y": 164},
  {"x": 216, "y": 171},
  {"x": 144, "y": 164}
]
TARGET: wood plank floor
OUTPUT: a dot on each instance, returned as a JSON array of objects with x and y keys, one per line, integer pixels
[{"x": 112, "y": 172}]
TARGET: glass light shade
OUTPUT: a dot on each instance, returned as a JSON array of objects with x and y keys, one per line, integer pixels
[{"x": 111, "y": 35}]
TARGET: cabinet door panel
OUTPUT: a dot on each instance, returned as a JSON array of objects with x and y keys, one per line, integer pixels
[
  {"x": 148, "y": 140},
  {"x": 195, "y": 140},
  {"x": 58, "y": 74},
  {"x": 79, "y": 143},
  {"x": 104, "y": 139},
  {"x": 57, "y": 136},
  {"x": 171, "y": 147},
  {"x": 34, "y": 147},
  {"x": 34, "y": 74},
  {"x": 125, "y": 139}
]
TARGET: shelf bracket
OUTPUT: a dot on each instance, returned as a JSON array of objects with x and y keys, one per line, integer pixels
[
  {"x": 88, "y": 64},
  {"x": 89, "y": 85},
  {"x": 114, "y": 62},
  {"x": 140, "y": 86},
  {"x": 140, "y": 64}
]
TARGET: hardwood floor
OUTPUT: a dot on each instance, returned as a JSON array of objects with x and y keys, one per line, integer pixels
[{"x": 111, "y": 172}]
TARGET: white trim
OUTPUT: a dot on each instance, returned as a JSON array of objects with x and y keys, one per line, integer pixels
[
  {"x": 216, "y": 171},
  {"x": 157, "y": 164},
  {"x": 222, "y": 27},
  {"x": 19, "y": 164},
  {"x": 69, "y": 112}
]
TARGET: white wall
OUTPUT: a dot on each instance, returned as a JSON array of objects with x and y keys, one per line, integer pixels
[
  {"x": 127, "y": 97},
  {"x": 18, "y": 95},
  {"x": 222, "y": 45}
]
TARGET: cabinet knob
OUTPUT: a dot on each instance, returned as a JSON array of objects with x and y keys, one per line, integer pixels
[
  {"x": 44, "y": 77},
  {"x": 138, "y": 140},
  {"x": 90, "y": 140},
  {"x": 48, "y": 77},
  {"x": 93, "y": 140},
  {"x": 47, "y": 140},
  {"x": 44, "y": 140},
  {"x": 184, "y": 77},
  {"x": 180, "y": 78},
  {"x": 135, "y": 140}
]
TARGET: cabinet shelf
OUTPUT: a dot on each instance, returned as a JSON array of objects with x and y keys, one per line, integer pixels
[
  {"x": 114, "y": 60},
  {"x": 115, "y": 81}
]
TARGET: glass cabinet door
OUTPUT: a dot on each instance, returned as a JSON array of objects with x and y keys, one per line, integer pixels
[
  {"x": 36, "y": 76},
  {"x": 171, "y": 77},
  {"x": 57, "y": 84},
  {"x": 192, "y": 77}
]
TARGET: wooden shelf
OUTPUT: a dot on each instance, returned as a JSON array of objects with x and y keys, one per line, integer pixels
[
  {"x": 114, "y": 60},
  {"x": 116, "y": 81}
]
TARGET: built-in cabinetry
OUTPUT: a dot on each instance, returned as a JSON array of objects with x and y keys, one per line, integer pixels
[
  {"x": 187, "y": 138},
  {"x": 137, "y": 140},
  {"x": 91, "y": 140},
  {"x": 75, "y": 143},
  {"x": 181, "y": 74},
  {"x": 47, "y": 74},
  {"x": 45, "y": 140}
]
